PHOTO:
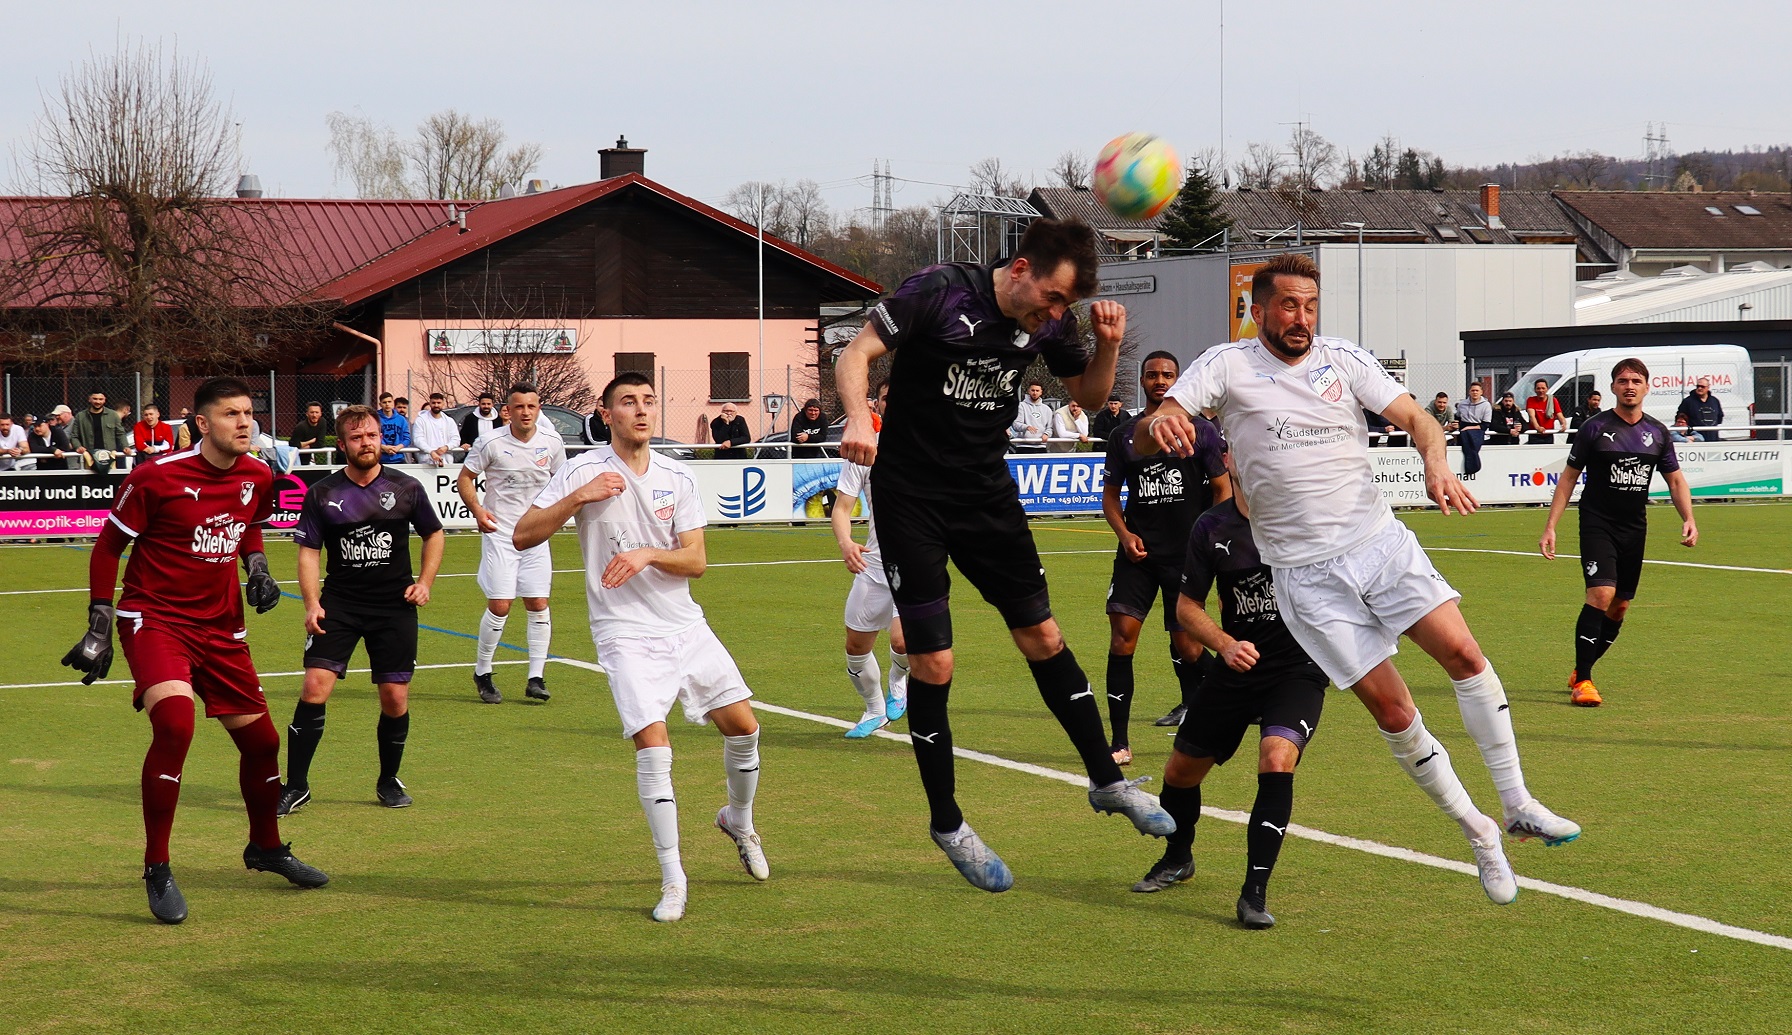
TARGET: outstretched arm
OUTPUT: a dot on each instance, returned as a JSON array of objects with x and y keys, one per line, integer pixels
[
  {"x": 1441, "y": 484},
  {"x": 1090, "y": 388},
  {"x": 852, "y": 382}
]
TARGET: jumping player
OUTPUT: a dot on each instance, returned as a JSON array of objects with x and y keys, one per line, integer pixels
[
  {"x": 869, "y": 607},
  {"x": 1164, "y": 495},
  {"x": 517, "y": 461},
  {"x": 187, "y": 517},
  {"x": 1620, "y": 449},
  {"x": 962, "y": 336},
  {"x": 1350, "y": 578},
  {"x": 1264, "y": 679},
  {"x": 640, "y": 525},
  {"x": 362, "y": 517}
]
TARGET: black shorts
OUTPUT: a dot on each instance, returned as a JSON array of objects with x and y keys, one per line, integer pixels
[
  {"x": 1134, "y": 586},
  {"x": 391, "y": 641},
  {"x": 989, "y": 541},
  {"x": 1612, "y": 557},
  {"x": 1286, "y": 705}
]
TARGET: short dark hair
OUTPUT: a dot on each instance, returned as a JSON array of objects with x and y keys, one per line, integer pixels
[
  {"x": 521, "y": 386},
  {"x": 351, "y": 416},
  {"x": 1049, "y": 243},
  {"x": 385, "y": 395},
  {"x": 219, "y": 388},
  {"x": 312, "y": 403},
  {"x": 1633, "y": 365},
  {"x": 1160, "y": 354},
  {"x": 1035, "y": 384},
  {"x": 5, "y": 416},
  {"x": 488, "y": 395},
  {"x": 402, "y": 399},
  {"x": 437, "y": 395},
  {"x": 627, "y": 377},
  {"x": 1287, "y": 264},
  {"x": 1440, "y": 395}
]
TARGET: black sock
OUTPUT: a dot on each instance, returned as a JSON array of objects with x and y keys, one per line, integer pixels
[
  {"x": 1269, "y": 824},
  {"x": 1608, "y": 632},
  {"x": 391, "y": 734},
  {"x": 1119, "y": 697},
  {"x": 1184, "y": 806},
  {"x": 1586, "y": 640},
  {"x": 931, "y": 734},
  {"x": 1068, "y": 694},
  {"x": 302, "y": 738},
  {"x": 1189, "y": 675}
]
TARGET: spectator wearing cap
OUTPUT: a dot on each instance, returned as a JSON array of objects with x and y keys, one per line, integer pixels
[
  {"x": 42, "y": 442},
  {"x": 809, "y": 427},
  {"x": 1508, "y": 422},
  {"x": 1111, "y": 416},
  {"x": 1702, "y": 410}
]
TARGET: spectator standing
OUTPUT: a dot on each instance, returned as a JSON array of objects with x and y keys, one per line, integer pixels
[
  {"x": 485, "y": 417},
  {"x": 403, "y": 406},
  {"x": 309, "y": 433},
  {"x": 13, "y": 443},
  {"x": 1474, "y": 415},
  {"x": 1587, "y": 411},
  {"x": 1111, "y": 416},
  {"x": 1070, "y": 422},
  {"x": 98, "y": 434},
  {"x": 395, "y": 431},
  {"x": 1543, "y": 412},
  {"x": 809, "y": 427},
  {"x": 1508, "y": 422},
  {"x": 1702, "y": 409},
  {"x": 597, "y": 429},
  {"x": 1032, "y": 422},
  {"x": 729, "y": 432},
  {"x": 435, "y": 433},
  {"x": 152, "y": 437}
]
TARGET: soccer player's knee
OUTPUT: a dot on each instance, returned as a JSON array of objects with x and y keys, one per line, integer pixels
[
  {"x": 1616, "y": 609},
  {"x": 258, "y": 737},
  {"x": 1039, "y": 642},
  {"x": 1182, "y": 770},
  {"x": 1280, "y": 750}
]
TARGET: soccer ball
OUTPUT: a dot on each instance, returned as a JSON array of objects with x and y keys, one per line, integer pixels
[{"x": 1137, "y": 175}]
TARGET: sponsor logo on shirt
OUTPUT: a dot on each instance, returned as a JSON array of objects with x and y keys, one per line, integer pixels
[
  {"x": 1255, "y": 597},
  {"x": 664, "y": 503},
  {"x": 1160, "y": 484},
  {"x": 884, "y": 318},
  {"x": 980, "y": 384},
  {"x": 1327, "y": 383},
  {"x": 1631, "y": 474},
  {"x": 365, "y": 546},
  {"x": 1290, "y": 437},
  {"x": 219, "y": 536}
]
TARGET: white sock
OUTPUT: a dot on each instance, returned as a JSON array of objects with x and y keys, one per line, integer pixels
[
  {"x": 740, "y": 757},
  {"x": 491, "y": 630},
  {"x": 1482, "y": 701},
  {"x": 653, "y": 782},
  {"x": 867, "y": 680},
  {"x": 899, "y": 676},
  {"x": 1426, "y": 761},
  {"x": 541, "y": 633}
]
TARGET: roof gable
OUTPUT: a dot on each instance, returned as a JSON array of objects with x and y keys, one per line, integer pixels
[{"x": 1683, "y": 220}]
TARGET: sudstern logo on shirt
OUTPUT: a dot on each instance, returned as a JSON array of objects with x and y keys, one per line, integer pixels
[{"x": 1327, "y": 383}]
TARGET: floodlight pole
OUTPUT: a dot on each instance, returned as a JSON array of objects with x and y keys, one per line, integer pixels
[
  {"x": 1359, "y": 283},
  {"x": 759, "y": 228}
]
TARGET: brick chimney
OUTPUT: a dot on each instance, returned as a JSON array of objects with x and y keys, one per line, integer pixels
[
  {"x": 1490, "y": 204},
  {"x": 621, "y": 160}
]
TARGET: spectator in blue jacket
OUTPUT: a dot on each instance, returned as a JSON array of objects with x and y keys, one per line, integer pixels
[
  {"x": 1702, "y": 409},
  {"x": 395, "y": 431}
]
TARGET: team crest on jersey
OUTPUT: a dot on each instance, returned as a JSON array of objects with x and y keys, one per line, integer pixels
[
  {"x": 248, "y": 493},
  {"x": 664, "y": 504},
  {"x": 1648, "y": 438},
  {"x": 541, "y": 456},
  {"x": 388, "y": 500},
  {"x": 1327, "y": 383}
]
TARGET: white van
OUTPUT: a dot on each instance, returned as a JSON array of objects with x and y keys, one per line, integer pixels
[{"x": 1673, "y": 370}]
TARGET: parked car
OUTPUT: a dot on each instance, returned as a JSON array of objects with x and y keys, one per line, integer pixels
[
  {"x": 829, "y": 444},
  {"x": 569, "y": 423}
]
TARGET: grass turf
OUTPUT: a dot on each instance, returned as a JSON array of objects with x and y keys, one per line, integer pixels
[{"x": 514, "y": 895}]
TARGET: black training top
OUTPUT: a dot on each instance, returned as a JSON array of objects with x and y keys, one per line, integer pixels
[
  {"x": 1220, "y": 548},
  {"x": 1620, "y": 460},
  {"x": 365, "y": 531},
  {"x": 1165, "y": 493},
  {"x": 955, "y": 382}
]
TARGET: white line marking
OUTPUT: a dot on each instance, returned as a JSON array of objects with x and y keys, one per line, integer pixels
[
  {"x": 1689, "y": 921},
  {"x": 1576, "y": 556},
  {"x": 264, "y": 675}
]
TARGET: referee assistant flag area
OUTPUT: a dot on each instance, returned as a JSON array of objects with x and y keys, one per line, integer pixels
[{"x": 513, "y": 896}]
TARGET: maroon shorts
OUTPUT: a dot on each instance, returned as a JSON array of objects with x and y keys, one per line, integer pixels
[{"x": 216, "y": 665}]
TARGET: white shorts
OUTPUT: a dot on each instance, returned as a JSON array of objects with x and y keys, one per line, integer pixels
[
  {"x": 506, "y": 573},
  {"x": 648, "y": 673},
  {"x": 869, "y": 605},
  {"x": 1348, "y": 612}
]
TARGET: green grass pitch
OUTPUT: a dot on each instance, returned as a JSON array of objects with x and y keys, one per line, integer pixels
[{"x": 514, "y": 896}]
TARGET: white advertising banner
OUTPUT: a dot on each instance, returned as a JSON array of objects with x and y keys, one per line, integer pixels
[{"x": 1528, "y": 474}]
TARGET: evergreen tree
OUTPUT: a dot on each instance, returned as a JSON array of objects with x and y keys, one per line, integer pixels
[{"x": 1195, "y": 215}]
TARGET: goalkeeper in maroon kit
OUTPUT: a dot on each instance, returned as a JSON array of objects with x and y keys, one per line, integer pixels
[{"x": 188, "y": 516}]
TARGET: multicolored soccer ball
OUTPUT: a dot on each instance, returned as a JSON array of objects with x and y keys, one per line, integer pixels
[{"x": 1137, "y": 175}]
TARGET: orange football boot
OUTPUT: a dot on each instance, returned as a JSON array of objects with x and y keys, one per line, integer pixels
[{"x": 1585, "y": 694}]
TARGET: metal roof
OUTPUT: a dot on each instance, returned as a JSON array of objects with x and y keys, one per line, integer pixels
[
  {"x": 1688, "y": 295},
  {"x": 1395, "y": 216}
]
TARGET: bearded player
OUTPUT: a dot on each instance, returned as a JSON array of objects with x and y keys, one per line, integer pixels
[{"x": 188, "y": 516}]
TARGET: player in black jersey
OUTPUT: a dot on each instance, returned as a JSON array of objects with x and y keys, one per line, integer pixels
[
  {"x": 1164, "y": 495},
  {"x": 361, "y": 517},
  {"x": 1265, "y": 679},
  {"x": 1620, "y": 450},
  {"x": 961, "y": 336}
]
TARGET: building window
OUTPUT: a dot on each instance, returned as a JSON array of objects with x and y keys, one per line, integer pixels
[
  {"x": 635, "y": 363},
  {"x": 728, "y": 377}
]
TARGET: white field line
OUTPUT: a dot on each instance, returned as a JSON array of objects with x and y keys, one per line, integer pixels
[
  {"x": 1576, "y": 556},
  {"x": 264, "y": 675},
  {"x": 1689, "y": 921}
]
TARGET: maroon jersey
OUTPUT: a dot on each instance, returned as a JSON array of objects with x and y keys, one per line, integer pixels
[{"x": 190, "y": 522}]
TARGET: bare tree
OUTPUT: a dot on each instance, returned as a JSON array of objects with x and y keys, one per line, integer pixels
[
  {"x": 516, "y": 347},
  {"x": 1381, "y": 164},
  {"x": 369, "y": 155},
  {"x": 990, "y": 176},
  {"x": 136, "y": 251},
  {"x": 1260, "y": 168},
  {"x": 1586, "y": 169},
  {"x": 805, "y": 214},
  {"x": 457, "y": 156},
  {"x": 1206, "y": 161},
  {"x": 1314, "y": 159},
  {"x": 1071, "y": 169}
]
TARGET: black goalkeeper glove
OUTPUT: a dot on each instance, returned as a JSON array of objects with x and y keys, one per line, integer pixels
[
  {"x": 93, "y": 655},
  {"x": 263, "y": 592}
]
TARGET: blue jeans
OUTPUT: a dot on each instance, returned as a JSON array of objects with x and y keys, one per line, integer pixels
[{"x": 1471, "y": 440}]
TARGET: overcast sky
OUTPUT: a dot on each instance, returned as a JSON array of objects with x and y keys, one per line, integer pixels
[{"x": 723, "y": 92}]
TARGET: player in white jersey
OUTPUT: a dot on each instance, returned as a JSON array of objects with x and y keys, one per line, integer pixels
[
  {"x": 516, "y": 460},
  {"x": 640, "y": 526},
  {"x": 869, "y": 606},
  {"x": 1349, "y": 578}
]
